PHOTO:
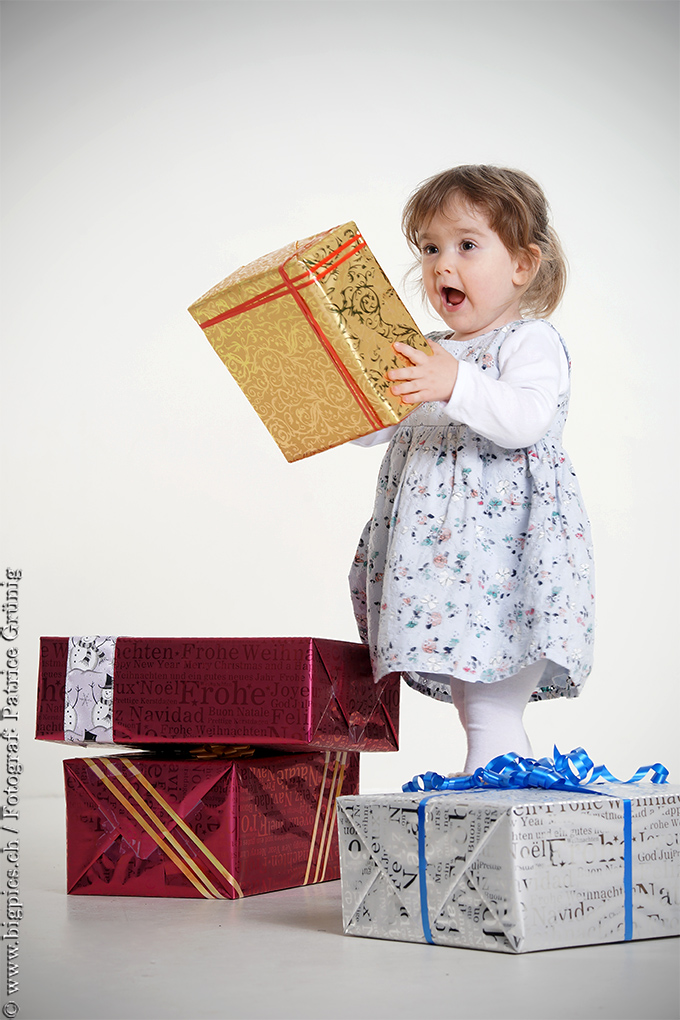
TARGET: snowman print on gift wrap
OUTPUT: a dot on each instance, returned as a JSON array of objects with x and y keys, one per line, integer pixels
[
  {"x": 70, "y": 715},
  {"x": 89, "y": 685},
  {"x": 102, "y": 714},
  {"x": 86, "y": 653}
]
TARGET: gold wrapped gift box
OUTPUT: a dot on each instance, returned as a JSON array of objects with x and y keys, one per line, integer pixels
[{"x": 307, "y": 334}]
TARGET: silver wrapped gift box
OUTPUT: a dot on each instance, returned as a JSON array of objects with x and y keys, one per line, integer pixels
[{"x": 513, "y": 871}]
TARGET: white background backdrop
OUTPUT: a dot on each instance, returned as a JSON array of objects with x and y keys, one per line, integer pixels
[{"x": 152, "y": 148}]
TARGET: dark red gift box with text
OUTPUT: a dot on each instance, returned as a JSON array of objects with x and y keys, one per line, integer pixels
[
  {"x": 217, "y": 828},
  {"x": 289, "y": 693}
]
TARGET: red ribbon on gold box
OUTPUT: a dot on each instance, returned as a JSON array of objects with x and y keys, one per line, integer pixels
[{"x": 307, "y": 333}]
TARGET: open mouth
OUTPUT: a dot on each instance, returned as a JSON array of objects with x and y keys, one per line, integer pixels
[{"x": 452, "y": 297}]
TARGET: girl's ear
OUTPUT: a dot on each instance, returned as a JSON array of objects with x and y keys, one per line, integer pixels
[{"x": 526, "y": 265}]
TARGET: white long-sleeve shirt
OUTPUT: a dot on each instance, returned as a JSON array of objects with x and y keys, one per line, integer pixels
[{"x": 516, "y": 409}]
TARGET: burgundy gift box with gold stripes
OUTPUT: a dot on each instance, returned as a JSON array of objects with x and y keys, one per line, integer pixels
[
  {"x": 307, "y": 334},
  {"x": 214, "y": 827}
]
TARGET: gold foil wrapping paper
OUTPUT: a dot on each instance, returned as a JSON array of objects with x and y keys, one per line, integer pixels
[{"x": 307, "y": 334}]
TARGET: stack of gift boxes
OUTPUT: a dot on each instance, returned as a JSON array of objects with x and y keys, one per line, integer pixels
[
  {"x": 249, "y": 744},
  {"x": 246, "y": 743}
]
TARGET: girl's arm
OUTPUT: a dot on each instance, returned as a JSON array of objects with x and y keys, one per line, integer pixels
[{"x": 515, "y": 410}]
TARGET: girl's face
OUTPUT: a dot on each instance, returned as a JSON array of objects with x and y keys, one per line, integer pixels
[{"x": 471, "y": 279}]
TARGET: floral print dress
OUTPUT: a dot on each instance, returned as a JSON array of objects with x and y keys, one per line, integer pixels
[{"x": 477, "y": 560}]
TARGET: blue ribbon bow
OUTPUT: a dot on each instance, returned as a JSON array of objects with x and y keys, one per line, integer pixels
[{"x": 573, "y": 771}]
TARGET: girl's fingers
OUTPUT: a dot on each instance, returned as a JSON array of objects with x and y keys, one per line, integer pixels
[
  {"x": 400, "y": 373},
  {"x": 409, "y": 383},
  {"x": 415, "y": 356},
  {"x": 407, "y": 398},
  {"x": 407, "y": 387}
]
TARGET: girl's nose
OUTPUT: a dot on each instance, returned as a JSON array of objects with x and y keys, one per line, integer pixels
[{"x": 444, "y": 263}]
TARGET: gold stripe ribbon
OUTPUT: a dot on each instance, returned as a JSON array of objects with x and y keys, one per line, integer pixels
[
  {"x": 337, "y": 780},
  {"x": 151, "y": 822},
  {"x": 184, "y": 827},
  {"x": 159, "y": 831}
]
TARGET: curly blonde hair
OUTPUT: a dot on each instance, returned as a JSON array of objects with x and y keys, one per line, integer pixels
[{"x": 517, "y": 210}]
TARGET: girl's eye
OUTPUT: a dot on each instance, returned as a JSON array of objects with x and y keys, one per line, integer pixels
[
  {"x": 468, "y": 245},
  {"x": 429, "y": 249}
]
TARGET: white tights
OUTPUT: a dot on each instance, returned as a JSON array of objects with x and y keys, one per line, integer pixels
[{"x": 491, "y": 714}]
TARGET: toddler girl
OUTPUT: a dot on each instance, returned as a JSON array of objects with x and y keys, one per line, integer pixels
[{"x": 473, "y": 577}]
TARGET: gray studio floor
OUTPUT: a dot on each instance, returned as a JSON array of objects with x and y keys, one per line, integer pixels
[{"x": 284, "y": 955}]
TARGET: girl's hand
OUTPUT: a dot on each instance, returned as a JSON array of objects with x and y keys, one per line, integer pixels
[{"x": 429, "y": 377}]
